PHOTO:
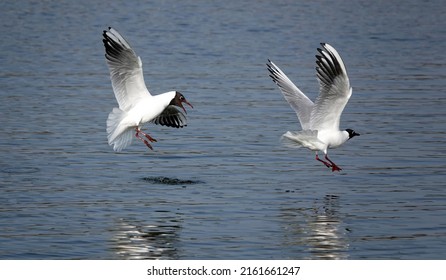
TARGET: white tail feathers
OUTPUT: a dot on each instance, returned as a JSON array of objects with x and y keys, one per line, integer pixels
[
  {"x": 287, "y": 140},
  {"x": 119, "y": 135},
  {"x": 304, "y": 138}
]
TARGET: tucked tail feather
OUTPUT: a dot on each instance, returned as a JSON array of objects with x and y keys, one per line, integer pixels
[
  {"x": 119, "y": 135},
  {"x": 304, "y": 138},
  {"x": 287, "y": 140}
]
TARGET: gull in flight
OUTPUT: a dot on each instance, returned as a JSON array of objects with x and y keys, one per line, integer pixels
[
  {"x": 319, "y": 120},
  {"x": 136, "y": 105}
]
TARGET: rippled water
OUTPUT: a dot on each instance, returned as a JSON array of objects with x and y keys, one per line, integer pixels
[{"x": 222, "y": 188}]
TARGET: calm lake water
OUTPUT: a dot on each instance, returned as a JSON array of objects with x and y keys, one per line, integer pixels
[{"x": 223, "y": 187}]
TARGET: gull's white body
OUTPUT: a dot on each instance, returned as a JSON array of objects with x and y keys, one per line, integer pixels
[
  {"x": 121, "y": 124},
  {"x": 315, "y": 140},
  {"x": 319, "y": 119},
  {"x": 136, "y": 105}
]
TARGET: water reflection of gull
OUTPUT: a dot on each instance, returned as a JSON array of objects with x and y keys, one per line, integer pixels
[
  {"x": 133, "y": 240},
  {"x": 317, "y": 229}
]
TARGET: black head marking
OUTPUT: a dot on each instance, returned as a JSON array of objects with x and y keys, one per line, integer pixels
[
  {"x": 180, "y": 96},
  {"x": 179, "y": 99},
  {"x": 351, "y": 133}
]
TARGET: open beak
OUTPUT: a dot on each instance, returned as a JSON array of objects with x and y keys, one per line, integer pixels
[{"x": 185, "y": 101}]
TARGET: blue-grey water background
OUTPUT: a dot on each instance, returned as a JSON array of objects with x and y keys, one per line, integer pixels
[{"x": 223, "y": 187}]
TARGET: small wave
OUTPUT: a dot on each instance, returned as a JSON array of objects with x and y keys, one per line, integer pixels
[{"x": 19, "y": 170}]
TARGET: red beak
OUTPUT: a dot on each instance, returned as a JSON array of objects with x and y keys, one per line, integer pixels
[{"x": 185, "y": 101}]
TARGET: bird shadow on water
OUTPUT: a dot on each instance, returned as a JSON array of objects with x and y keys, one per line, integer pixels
[
  {"x": 170, "y": 181},
  {"x": 317, "y": 229}
]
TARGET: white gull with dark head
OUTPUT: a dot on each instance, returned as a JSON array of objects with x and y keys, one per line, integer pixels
[
  {"x": 320, "y": 119},
  {"x": 136, "y": 105}
]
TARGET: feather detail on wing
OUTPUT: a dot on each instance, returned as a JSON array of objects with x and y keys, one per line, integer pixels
[
  {"x": 171, "y": 117},
  {"x": 125, "y": 70},
  {"x": 335, "y": 89},
  {"x": 300, "y": 103}
]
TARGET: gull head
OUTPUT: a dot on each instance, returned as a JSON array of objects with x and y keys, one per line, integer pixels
[
  {"x": 179, "y": 99},
  {"x": 351, "y": 133}
]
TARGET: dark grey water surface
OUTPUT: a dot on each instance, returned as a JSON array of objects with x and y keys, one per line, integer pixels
[{"x": 224, "y": 187}]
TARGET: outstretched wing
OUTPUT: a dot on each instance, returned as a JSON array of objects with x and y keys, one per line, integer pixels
[
  {"x": 125, "y": 70},
  {"x": 171, "y": 117},
  {"x": 335, "y": 90},
  {"x": 300, "y": 103}
]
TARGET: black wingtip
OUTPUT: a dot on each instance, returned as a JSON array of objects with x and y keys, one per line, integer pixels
[{"x": 269, "y": 64}]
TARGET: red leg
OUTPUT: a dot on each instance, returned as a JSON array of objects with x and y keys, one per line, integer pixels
[
  {"x": 323, "y": 161},
  {"x": 334, "y": 167},
  {"x": 147, "y": 136},
  {"x": 142, "y": 139}
]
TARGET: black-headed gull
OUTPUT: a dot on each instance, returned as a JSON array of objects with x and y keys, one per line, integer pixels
[
  {"x": 136, "y": 105},
  {"x": 319, "y": 120}
]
